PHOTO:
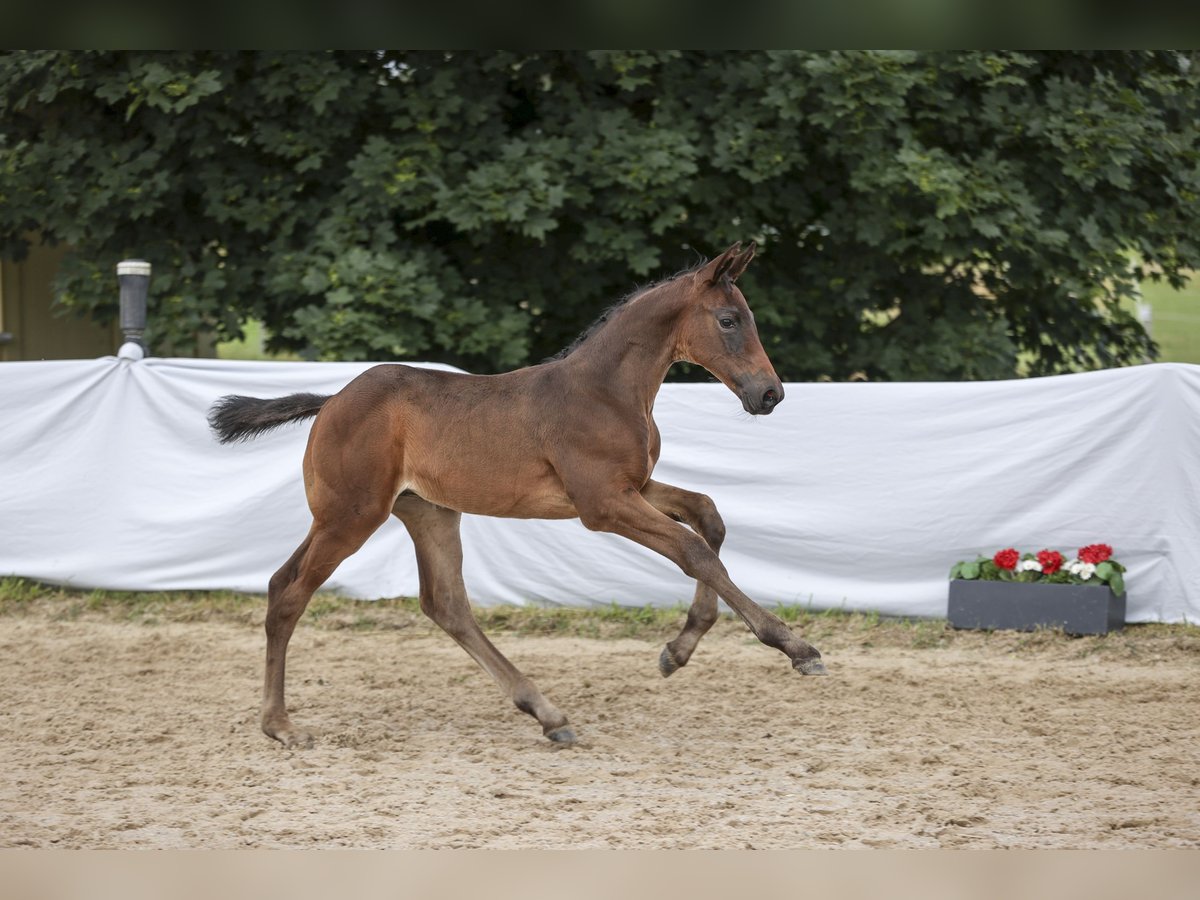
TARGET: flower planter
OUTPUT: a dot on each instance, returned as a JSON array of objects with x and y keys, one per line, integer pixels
[{"x": 1020, "y": 606}]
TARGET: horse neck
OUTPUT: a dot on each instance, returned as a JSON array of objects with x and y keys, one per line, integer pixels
[{"x": 630, "y": 355}]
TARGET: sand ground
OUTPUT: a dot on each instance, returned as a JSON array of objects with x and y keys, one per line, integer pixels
[{"x": 123, "y": 735}]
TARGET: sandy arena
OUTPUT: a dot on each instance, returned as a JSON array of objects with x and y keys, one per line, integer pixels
[{"x": 121, "y": 735}]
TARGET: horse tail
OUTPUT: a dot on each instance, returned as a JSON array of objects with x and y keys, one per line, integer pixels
[{"x": 235, "y": 418}]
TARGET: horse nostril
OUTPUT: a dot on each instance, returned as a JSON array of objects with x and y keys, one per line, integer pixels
[{"x": 770, "y": 398}]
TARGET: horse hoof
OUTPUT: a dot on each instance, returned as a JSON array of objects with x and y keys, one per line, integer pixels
[
  {"x": 666, "y": 663},
  {"x": 563, "y": 735},
  {"x": 810, "y": 666},
  {"x": 294, "y": 739}
]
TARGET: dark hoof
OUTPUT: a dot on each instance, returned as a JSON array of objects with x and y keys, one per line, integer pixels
[
  {"x": 810, "y": 666},
  {"x": 666, "y": 663},
  {"x": 563, "y": 735}
]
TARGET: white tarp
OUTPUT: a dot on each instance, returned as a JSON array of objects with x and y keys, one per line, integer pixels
[{"x": 851, "y": 495}]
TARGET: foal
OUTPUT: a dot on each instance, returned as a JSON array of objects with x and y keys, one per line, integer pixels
[{"x": 572, "y": 437}]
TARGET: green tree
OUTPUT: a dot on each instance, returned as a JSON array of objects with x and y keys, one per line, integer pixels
[{"x": 921, "y": 215}]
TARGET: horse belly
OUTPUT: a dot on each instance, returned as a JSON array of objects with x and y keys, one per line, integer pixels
[{"x": 496, "y": 491}]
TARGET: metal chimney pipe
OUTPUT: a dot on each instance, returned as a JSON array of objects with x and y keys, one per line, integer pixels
[{"x": 134, "y": 277}]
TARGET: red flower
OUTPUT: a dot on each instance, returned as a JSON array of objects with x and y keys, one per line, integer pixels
[
  {"x": 1095, "y": 553},
  {"x": 1007, "y": 559},
  {"x": 1051, "y": 561}
]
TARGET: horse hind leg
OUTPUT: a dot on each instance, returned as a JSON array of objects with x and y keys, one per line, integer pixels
[
  {"x": 288, "y": 595},
  {"x": 435, "y": 534},
  {"x": 699, "y": 513}
]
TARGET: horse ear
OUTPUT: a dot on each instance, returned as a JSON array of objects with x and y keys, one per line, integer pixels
[
  {"x": 718, "y": 268},
  {"x": 730, "y": 264},
  {"x": 739, "y": 263}
]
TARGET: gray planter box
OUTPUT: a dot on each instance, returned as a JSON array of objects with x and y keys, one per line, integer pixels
[{"x": 1014, "y": 605}]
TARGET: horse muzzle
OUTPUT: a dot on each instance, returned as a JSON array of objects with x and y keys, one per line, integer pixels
[{"x": 762, "y": 398}]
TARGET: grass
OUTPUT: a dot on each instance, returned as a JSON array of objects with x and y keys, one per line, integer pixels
[
  {"x": 1176, "y": 320},
  {"x": 252, "y": 346},
  {"x": 829, "y": 629},
  {"x": 19, "y": 596}
]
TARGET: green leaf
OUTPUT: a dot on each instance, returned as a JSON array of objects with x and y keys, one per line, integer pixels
[
  {"x": 969, "y": 570},
  {"x": 920, "y": 215}
]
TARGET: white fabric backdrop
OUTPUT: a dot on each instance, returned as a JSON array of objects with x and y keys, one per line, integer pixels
[{"x": 850, "y": 495}]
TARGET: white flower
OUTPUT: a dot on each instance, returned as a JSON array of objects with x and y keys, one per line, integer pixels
[
  {"x": 1030, "y": 565},
  {"x": 1074, "y": 566},
  {"x": 1086, "y": 571}
]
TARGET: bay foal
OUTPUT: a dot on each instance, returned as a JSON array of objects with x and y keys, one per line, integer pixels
[{"x": 572, "y": 437}]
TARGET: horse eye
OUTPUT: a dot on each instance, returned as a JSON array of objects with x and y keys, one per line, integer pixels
[{"x": 726, "y": 322}]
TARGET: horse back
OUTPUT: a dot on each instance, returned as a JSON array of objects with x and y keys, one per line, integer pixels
[{"x": 476, "y": 443}]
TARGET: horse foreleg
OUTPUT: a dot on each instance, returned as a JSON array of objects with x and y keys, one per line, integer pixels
[
  {"x": 435, "y": 534},
  {"x": 627, "y": 513},
  {"x": 699, "y": 513}
]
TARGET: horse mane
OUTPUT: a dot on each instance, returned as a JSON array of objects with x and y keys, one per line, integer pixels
[
  {"x": 600, "y": 322},
  {"x": 604, "y": 317}
]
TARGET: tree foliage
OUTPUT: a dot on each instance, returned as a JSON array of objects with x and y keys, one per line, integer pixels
[{"x": 921, "y": 215}]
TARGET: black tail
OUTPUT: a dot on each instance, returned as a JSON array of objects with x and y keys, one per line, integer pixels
[{"x": 235, "y": 418}]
